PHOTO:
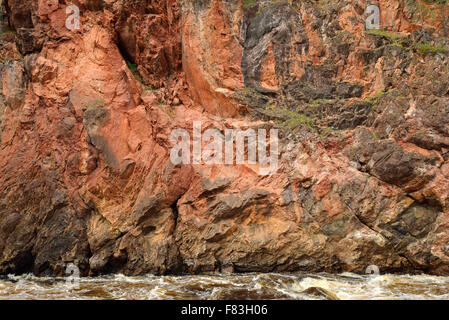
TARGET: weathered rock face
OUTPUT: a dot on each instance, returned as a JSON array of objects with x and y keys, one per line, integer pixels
[{"x": 86, "y": 118}]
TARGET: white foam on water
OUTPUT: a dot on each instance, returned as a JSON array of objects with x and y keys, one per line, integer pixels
[{"x": 263, "y": 286}]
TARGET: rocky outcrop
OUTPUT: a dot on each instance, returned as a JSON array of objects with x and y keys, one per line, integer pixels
[{"x": 86, "y": 118}]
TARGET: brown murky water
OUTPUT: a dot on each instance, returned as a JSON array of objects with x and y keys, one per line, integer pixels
[{"x": 246, "y": 286}]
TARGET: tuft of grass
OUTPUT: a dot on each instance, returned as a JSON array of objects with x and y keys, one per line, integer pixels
[
  {"x": 376, "y": 98},
  {"x": 248, "y": 4},
  {"x": 426, "y": 48},
  {"x": 287, "y": 118},
  {"x": 133, "y": 68},
  {"x": 396, "y": 39},
  {"x": 383, "y": 33},
  {"x": 294, "y": 118}
]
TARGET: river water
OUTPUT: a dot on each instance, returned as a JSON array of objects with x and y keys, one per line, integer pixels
[{"x": 242, "y": 286}]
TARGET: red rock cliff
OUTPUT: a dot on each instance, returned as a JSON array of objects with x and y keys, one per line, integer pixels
[{"x": 86, "y": 117}]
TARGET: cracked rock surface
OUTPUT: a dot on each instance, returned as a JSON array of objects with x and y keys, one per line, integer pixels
[{"x": 86, "y": 118}]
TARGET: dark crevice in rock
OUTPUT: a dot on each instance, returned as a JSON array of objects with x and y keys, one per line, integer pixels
[
  {"x": 125, "y": 48},
  {"x": 174, "y": 208},
  {"x": 173, "y": 262},
  {"x": 22, "y": 264}
]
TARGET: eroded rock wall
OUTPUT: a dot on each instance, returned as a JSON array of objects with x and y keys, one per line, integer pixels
[{"x": 86, "y": 118}]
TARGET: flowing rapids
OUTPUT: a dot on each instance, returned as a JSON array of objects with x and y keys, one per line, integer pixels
[{"x": 245, "y": 286}]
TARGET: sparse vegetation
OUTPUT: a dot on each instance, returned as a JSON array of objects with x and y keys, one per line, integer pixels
[
  {"x": 376, "y": 98},
  {"x": 248, "y": 4},
  {"x": 398, "y": 40},
  {"x": 395, "y": 38},
  {"x": 426, "y": 48},
  {"x": 290, "y": 118},
  {"x": 383, "y": 33},
  {"x": 133, "y": 68}
]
